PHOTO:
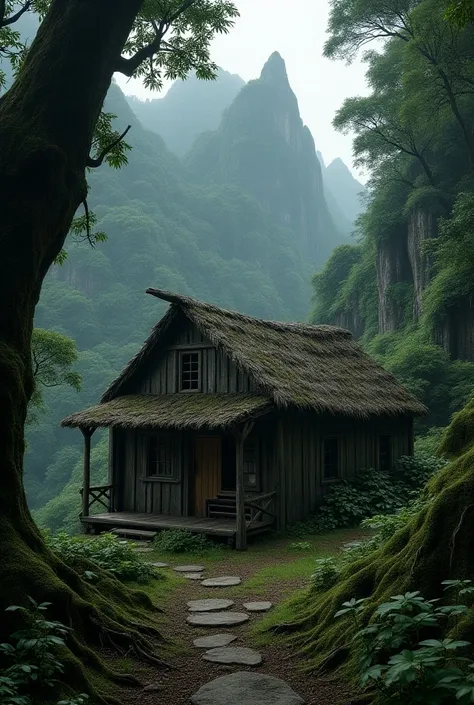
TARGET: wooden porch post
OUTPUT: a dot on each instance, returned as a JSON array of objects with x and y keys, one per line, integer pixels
[
  {"x": 241, "y": 532},
  {"x": 87, "y": 433}
]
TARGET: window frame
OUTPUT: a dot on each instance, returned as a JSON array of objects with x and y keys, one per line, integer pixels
[
  {"x": 337, "y": 477},
  {"x": 181, "y": 355},
  {"x": 171, "y": 449},
  {"x": 390, "y": 448},
  {"x": 256, "y": 447}
]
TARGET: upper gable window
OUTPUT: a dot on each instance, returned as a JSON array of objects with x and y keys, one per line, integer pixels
[{"x": 190, "y": 372}]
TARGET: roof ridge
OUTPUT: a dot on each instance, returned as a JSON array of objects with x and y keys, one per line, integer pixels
[{"x": 300, "y": 327}]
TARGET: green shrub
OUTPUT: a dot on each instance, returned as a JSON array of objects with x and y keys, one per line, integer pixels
[
  {"x": 182, "y": 541},
  {"x": 413, "y": 472},
  {"x": 300, "y": 546},
  {"x": 31, "y": 653},
  {"x": 326, "y": 573},
  {"x": 371, "y": 492},
  {"x": 107, "y": 551},
  {"x": 404, "y": 668}
]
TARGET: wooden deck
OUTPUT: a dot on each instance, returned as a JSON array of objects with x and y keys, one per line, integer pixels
[{"x": 225, "y": 528}]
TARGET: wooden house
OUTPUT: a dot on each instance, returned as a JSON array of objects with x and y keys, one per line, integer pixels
[{"x": 228, "y": 425}]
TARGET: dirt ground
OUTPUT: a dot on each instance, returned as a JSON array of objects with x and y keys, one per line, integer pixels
[{"x": 269, "y": 571}]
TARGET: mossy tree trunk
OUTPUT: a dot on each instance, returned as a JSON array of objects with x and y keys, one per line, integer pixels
[{"x": 47, "y": 121}]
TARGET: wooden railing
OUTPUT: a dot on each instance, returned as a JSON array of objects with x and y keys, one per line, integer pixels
[
  {"x": 224, "y": 507},
  {"x": 102, "y": 494},
  {"x": 259, "y": 506}
]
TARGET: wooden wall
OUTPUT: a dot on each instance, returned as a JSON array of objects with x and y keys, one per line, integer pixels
[
  {"x": 218, "y": 372},
  {"x": 137, "y": 493},
  {"x": 299, "y": 451},
  {"x": 290, "y": 462}
]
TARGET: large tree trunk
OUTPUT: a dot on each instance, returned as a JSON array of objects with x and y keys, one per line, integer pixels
[{"x": 47, "y": 121}]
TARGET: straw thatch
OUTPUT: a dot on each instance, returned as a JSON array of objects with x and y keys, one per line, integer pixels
[
  {"x": 298, "y": 365},
  {"x": 184, "y": 411}
]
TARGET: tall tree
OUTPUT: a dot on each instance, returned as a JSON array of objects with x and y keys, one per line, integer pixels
[
  {"x": 48, "y": 123},
  {"x": 422, "y": 27},
  {"x": 53, "y": 356}
]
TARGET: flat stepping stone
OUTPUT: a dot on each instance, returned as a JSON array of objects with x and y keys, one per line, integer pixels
[
  {"x": 234, "y": 654},
  {"x": 160, "y": 565},
  {"x": 225, "y": 581},
  {"x": 214, "y": 641},
  {"x": 140, "y": 549},
  {"x": 189, "y": 568},
  {"x": 246, "y": 688},
  {"x": 217, "y": 619},
  {"x": 192, "y": 576},
  {"x": 257, "y": 606},
  {"x": 209, "y": 605}
]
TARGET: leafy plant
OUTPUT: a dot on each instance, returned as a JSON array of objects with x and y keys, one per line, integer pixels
[
  {"x": 299, "y": 546},
  {"x": 371, "y": 492},
  {"x": 326, "y": 573},
  {"x": 32, "y": 653},
  {"x": 182, "y": 541},
  {"x": 107, "y": 551},
  {"x": 405, "y": 668}
]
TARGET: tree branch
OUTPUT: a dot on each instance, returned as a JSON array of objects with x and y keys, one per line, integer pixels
[
  {"x": 88, "y": 222},
  {"x": 128, "y": 66},
  {"x": 95, "y": 163},
  {"x": 13, "y": 18}
]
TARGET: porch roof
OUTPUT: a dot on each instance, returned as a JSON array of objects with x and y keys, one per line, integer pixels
[{"x": 173, "y": 411}]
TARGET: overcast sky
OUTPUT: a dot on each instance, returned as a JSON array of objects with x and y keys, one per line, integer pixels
[{"x": 297, "y": 29}]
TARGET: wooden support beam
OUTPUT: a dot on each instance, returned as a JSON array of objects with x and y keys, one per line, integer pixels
[
  {"x": 87, "y": 433},
  {"x": 241, "y": 532}
]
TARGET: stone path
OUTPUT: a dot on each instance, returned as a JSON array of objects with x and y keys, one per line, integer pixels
[
  {"x": 192, "y": 576},
  {"x": 189, "y": 568},
  {"x": 257, "y": 606},
  {"x": 209, "y": 605},
  {"x": 217, "y": 619},
  {"x": 245, "y": 688},
  {"x": 213, "y": 641},
  {"x": 225, "y": 581},
  {"x": 234, "y": 654}
]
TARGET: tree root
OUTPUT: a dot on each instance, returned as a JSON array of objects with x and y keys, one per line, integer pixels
[{"x": 102, "y": 613}]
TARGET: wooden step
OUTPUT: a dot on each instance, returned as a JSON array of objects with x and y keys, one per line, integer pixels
[{"x": 139, "y": 534}]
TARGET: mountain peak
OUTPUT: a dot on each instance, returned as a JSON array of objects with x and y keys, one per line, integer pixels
[{"x": 275, "y": 69}]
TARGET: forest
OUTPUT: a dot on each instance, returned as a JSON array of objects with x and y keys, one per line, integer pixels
[{"x": 219, "y": 191}]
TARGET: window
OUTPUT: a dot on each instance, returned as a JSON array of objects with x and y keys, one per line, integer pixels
[
  {"x": 385, "y": 453},
  {"x": 331, "y": 458},
  {"x": 190, "y": 378},
  {"x": 160, "y": 457},
  {"x": 250, "y": 466}
]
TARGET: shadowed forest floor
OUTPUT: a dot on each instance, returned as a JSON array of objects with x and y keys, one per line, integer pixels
[{"x": 270, "y": 570}]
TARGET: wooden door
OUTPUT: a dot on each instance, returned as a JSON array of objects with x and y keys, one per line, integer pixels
[{"x": 207, "y": 471}]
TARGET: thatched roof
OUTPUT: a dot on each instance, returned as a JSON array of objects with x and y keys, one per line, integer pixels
[
  {"x": 298, "y": 365},
  {"x": 185, "y": 411}
]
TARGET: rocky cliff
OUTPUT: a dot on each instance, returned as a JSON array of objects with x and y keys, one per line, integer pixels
[{"x": 263, "y": 147}]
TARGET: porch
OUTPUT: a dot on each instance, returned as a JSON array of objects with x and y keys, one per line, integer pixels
[
  {"x": 221, "y": 519},
  {"x": 220, "y": 527}
]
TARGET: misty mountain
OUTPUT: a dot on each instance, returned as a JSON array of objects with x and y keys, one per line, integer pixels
[
  {"x": 345, "y": 189},
  {"x": 263, "y": 147},
  {"x": 189, "y": 108}
]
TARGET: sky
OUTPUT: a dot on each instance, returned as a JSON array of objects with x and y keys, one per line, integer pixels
[{"x": 296, "y": 29}]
